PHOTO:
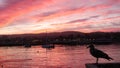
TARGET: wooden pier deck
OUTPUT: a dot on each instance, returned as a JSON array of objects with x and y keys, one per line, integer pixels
[{"x": 103, "y": 65}]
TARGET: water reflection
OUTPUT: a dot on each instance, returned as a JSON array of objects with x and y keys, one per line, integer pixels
[{"x": 60, "y": 56}]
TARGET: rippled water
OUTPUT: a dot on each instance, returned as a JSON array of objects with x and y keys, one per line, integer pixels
[{"x": 59, "y": 57}]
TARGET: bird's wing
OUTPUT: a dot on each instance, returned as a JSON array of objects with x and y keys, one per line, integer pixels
[{"x": 100, "y": 54}]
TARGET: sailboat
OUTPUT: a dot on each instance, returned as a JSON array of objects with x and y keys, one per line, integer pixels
[
  {"x": 27, "y": 45},
  {"x": 46, "y": 45}
]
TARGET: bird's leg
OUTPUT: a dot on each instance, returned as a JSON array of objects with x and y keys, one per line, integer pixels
[{"x": 97, "y": 61}]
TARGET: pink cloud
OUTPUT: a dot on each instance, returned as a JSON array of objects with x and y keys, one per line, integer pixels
[
  {"x": 19, "y": 8},
  {"x": 110, "y": 30},
  {"x": 61, "y": 13}
]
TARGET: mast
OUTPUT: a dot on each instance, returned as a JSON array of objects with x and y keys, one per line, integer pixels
[{"x": 46, "y": 37}]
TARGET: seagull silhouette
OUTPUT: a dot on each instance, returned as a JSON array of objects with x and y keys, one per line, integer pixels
[{"x": 98, "y": 53}]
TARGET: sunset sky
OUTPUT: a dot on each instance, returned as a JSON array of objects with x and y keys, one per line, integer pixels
[{"x": 36, "y": 16}]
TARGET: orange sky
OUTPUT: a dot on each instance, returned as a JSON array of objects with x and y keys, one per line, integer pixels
[{"x": 36, "y": 16}]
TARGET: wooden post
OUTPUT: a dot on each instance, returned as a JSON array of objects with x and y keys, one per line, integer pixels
[{"x": 103, "y": 65}]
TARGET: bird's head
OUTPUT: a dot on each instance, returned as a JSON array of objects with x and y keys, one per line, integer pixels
[{"x": 90, "y": 46}]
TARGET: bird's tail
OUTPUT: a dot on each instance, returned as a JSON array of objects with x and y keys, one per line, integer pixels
[{"x": 109, "y": 58}]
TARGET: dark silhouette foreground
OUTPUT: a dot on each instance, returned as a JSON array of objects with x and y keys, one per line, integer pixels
[
  {"x": 98, "y": 53},
  {"x": 103, "y": 65}
]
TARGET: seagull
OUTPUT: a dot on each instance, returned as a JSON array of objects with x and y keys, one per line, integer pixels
[{"x": 98, "y": 53}]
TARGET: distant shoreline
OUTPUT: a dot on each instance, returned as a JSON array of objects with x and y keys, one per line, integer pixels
[
  {"x": 66, "y": 38},
  {"x": 61, "y": 43}
]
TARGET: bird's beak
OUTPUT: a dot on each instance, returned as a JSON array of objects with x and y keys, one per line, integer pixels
[{"x": 87, "y": 46}]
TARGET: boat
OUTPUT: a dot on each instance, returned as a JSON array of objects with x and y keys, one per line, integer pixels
[
  {"x": 27, "y": 45},
  {"x": 47, "y": 45}
]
